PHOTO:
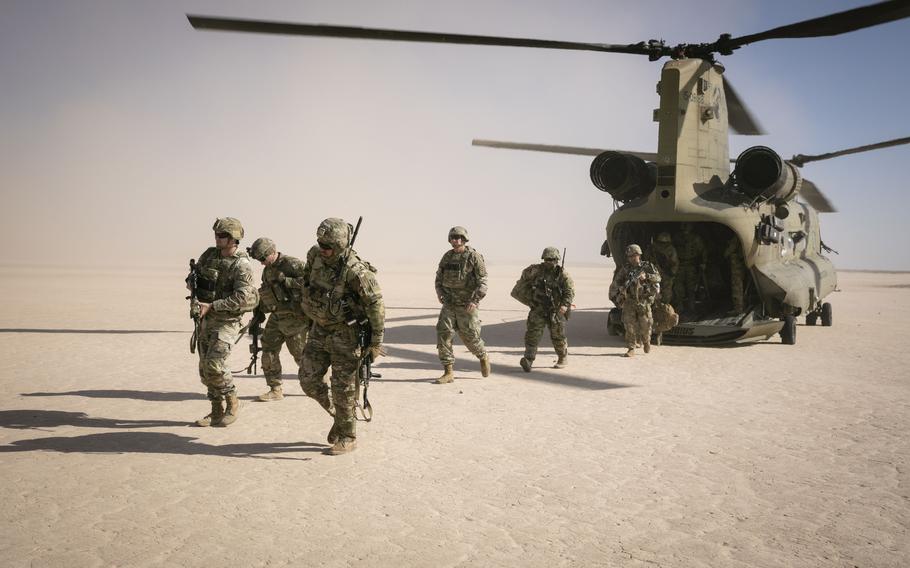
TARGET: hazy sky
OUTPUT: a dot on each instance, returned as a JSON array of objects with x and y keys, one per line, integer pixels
[{"x": 124, "y": 132}]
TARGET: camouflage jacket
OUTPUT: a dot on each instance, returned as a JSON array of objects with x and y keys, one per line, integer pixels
[
  {"x": 691, "y": 250},
  {"x": 461, "y": 278},
  {"x": 544, "y": 286},
  {"x": 627, "y": 285},
  {"x": 664, "y": 256},
  {"x": 226, "y": 283},
  {"x": 281, "y": 285},
  {"x": 334, "y": 293}
]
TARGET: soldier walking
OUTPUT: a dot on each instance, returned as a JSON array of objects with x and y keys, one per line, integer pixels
[
  {"x": 461, "y": 283},
  {"x": 549, "y": 291},
  {"x": 225, "y": 291},
  {"x": 635, "y": 286},
  {"x": 342, "y": 297},
  {"x": 280, "y": 297}
]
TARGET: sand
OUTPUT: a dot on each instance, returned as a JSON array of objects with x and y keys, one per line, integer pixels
[{"x": 754, "y": 455}]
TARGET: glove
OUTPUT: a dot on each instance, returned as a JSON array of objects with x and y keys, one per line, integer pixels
[{"x": 376, "y": 351}]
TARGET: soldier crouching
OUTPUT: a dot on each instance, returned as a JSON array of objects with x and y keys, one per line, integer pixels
[
  {"x": 340, "y": 295},
  {"x": 635, "y": 286}
]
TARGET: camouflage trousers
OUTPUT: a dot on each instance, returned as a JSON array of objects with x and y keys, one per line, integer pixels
[
  {"x": 216, "y": 337},
  {"x": 336, "y": 347},
  {"x": 685, "y": 285},
  {"x": 637, "y": 321},
  {"x": 538, "y": 320},
  {"x": 282, "y": 328},
  {"x": 457, "y": 319},
  {"x": 737, "y": 273},
  {"x": 666, "y": 289}
]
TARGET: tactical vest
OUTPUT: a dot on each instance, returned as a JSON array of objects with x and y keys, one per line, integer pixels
[
  {"x": 326, "y": 296},
  {"x": 458, "y": 279},
  {"x": 214, "y": 281},
  {"x": 274, "y": 295}
]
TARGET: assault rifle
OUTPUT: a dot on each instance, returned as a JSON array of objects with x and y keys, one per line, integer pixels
[
  {"x": 255, "y": 331},
  {"x": 364, "y": 371},
  {"x": 553, "y": 304},
  {"x": 191, "y": 283}
]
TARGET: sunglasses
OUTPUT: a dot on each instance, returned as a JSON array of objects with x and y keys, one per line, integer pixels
[
  {"x": 325, "y": 246},
  {"x": 222, "y": 235},
  {"x": 456, "y": 238}
]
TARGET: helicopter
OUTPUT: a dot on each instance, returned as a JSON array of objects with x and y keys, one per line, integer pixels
[{"x": 763, "y": 209}]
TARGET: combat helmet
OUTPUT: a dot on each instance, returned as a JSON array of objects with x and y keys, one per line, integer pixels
[
  {"x": 334, "y": 232},
  {"x": 262, "y": 248},
  {"x": 458, "y": 231},
  {"x": 550, "y": 253},
  {"x": 230, "y": 226},
  {"x": 664, "y": 237},
  {"x": 633, "y": 249}
]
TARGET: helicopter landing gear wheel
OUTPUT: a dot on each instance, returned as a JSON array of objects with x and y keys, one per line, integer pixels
[
  {"x": 788, "y": 332},
  {"x": 812, "y": 318},
  {"x": 827, "y": 315}
]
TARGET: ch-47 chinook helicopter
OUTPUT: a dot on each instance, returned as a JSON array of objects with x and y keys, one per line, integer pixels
[{"x": 687, "y": 186}]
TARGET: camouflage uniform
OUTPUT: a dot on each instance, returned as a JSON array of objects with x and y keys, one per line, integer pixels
[
  {"x": 227, "y": 284},
  {"x": 663, "y": 255},
  {"x": 337, "y": 290},
  {"x": 693, "y": 257},
  {"x": 545, "y": 288},
  {"x": 635, "y": 297},
  {"x": 733, "y": 254},
  {"x": 280, "y": 297},
  {"x": 461, "y": 279}
]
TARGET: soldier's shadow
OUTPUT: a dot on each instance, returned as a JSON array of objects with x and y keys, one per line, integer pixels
[
  {"x": 38, "y": 419},
  {"x": 159, "y": 443},
  {"x": 150, "y": 396}
]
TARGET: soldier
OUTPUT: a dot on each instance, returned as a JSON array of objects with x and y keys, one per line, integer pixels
[
  {"x": 342, "y": 297},
  {"x": 734, "y": 255},
  {"x": 280, "y": 297},
  {"x": 225, "y": 291},
  {"x": 548, "y": 290},
  {"x": 693, "y": 258},
  {"x": 461, "y": 283},
  {"x": 663, "y": 255},
  {"x": 634, "y": 288}
]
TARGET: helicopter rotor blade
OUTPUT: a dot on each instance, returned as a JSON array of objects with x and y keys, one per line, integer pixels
[
  {"x": 575, "y": 150},
  {"x": 738, "y": 115},
  {"x": 810, "y": 193},
  {"x": 832, "y": 24},
  {"x": 801, "y": 159},
  {"x": 351, "y": 32}
]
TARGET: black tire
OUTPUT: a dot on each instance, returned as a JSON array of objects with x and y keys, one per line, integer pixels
[
  {"x": 788, "y": 332},
  {"x": 827, "y": 315},
  {"x": 812, "y": 318}
]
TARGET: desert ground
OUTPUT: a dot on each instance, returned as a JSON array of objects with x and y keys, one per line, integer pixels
[{"x": 760, "y": 454}]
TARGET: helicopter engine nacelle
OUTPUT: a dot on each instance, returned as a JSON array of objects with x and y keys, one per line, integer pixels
[
  {"x": 763, "y": 175},
  {"x": 623, "y": 176}
]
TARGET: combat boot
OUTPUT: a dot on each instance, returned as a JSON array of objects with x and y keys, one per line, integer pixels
[
  {"x": 526, "y": 364},
  {"x": 447, "y": 376},
  {"x": 485, "y": 366},
  {"x": 231, "y": 410},
  {"x": 275, "y": 393},
  {"x": 647, "y": 347},
  {"x": 343, "y": 446},
  {"x": 630, "y": 352},
  {"x": 214, "y": 417},
  {"x": 562, "y": 362}
]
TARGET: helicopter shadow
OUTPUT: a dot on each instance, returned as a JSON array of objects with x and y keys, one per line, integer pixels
[{"x": 159, "y": 443}]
